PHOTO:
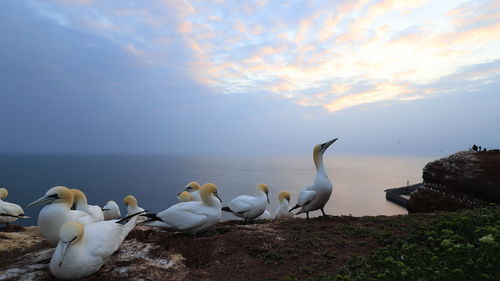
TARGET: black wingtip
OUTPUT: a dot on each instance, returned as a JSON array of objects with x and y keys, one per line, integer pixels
[
  {"x": 151, "y": 217},
  {"x": 296, "y": 206},
  {"x": 126, "y": 219},
  {"x": 226, "y": 209}
]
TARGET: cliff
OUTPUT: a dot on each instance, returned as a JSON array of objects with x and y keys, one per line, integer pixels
[{"x": 462, "y": 180}]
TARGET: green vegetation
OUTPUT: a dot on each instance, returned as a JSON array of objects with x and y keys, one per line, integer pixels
[{"x": 451, "y": 246}]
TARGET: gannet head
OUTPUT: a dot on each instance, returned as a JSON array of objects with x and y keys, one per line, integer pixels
[
  {"x": 69, "y": 233},
  {"x": 190, "y": 187},
  {"x": 3, "y": 193},
  {"x": 185, "y": 196},
  {"x": 207, "y": 191},
  {"x": 57, "y": 194},
  {"x": 284, "y": 196},
  {"x": 319, "y": 149},
  {"x": 130, "y": 200},
  {"x": 264, "y": 188}
]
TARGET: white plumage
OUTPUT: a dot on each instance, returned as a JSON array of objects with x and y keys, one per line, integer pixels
[
  {"x": 193, "y": 188},
  {"x": 83, "y": 249},
  {"x": 57, "y": 212},
  {"x": 315, "y": 196},
  {"x": 250, "y": 207},
  {"x": 132, "y": 207},
  {"x": 111, "y": 210},
  {"x": 80, "y": 202},
  {"x": 9, "y": 212},
  {"x": 283, "y": 210},
  {"x": 265, "y": 216},
  {"x": 190, "y": 217}
]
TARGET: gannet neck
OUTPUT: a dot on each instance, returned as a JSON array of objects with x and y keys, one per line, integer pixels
[
  {"x": 79, "y": 197},
  {"x": 3, "y": 193}
]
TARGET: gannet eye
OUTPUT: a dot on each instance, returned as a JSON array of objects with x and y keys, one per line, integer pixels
[{"x": 55, "y": 195}]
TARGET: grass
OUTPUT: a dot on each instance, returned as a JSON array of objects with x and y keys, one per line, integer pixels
[{"x": 451, "y": 246}]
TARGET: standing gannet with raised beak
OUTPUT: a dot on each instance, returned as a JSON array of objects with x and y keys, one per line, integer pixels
[
  {"x": 80, "y": 202},
  {"x": 315, "y": 196},
  {"x": 9, "y": 212},
  {"x": 132, "y": 207},
  {"x": 57, "y": 212},
  {"x": 111, "y": 211},
  {"x": 185, "y": 196},
  {"x": 283, "y": 210},
  {"x": 193, "y": 188},
  {"x": 83, "y": 249},
  {"x": 190, "y": 217},
  {"x": 250, "y": 207}
]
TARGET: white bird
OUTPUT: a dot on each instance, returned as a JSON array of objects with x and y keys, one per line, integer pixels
[
  {"x": 111, "y": 210},
  {"x": 132, "y": 207},
  {"x": 315, "y": 196},
  {"x": 83, "y": 249},
  {"x": 193, "y": 188},
  {"x": 265, "y": 216},
  {"x": 9, "y": 212},
  {"x": 185, "y": 196},
  {"x": 80, "y": 202},
  {"x": 190, "y": 217},
  {"x": 283, "y": 209},
  {"x": 250, "y": 207},
  {"x": 57, "y": 212}
]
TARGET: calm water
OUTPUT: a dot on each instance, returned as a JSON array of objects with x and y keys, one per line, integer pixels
[{"x": 154, "y": 180}]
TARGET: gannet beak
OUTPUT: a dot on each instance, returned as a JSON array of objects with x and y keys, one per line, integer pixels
[
  {"x": 42, "y": 201},
  {"x": 64, "y": 248},
  {"x": 327, "y": 144},
  {"x": 23, "y": 217},
  {"x": 105, "y": 209},
  {"x": 217, "y": 195}
]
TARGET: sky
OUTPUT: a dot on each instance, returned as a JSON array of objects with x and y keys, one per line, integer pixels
[{"x": 249, "y": 77}]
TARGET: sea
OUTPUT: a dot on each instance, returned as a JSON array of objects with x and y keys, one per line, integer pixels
[{"x": 359, "y": 180}]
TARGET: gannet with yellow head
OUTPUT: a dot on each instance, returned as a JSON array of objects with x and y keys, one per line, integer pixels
[
  {"x": 315, "y": 196},
  {"x": 185, "y": 196},
  {"x": 283, "y": 209},
  {"x": 57, "y": 212},
  {"x": 132, "y": 206},
  {"x": 190, "y": 217},
  {"x": 193, "y": 188},
  {"x": 83, "y": 249},
  {"x": 111, "y": 211},
  {"x": 9, "y": 212},
  {"x": 80, "y": 202},
  {"x": 250, "y": 207}
]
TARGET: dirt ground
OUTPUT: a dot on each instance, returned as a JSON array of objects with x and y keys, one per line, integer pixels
[{"x": 270, "y": 250}]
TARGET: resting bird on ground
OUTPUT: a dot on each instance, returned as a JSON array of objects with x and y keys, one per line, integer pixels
[
  {"x": 57, "y": 212},
  {"x": 315, "y": 196},
  {"x": 283, "y": 210},
  {"x": 190, "y": 217},
  {"x": 193, "y": 188},
  {"x": 111, "y": 210},
  {"x": 249, "y": 207},
  {"x": 9, "y": 212},
  {"x": 83, "y": 249},
  {"x": 80, "y": 202},
  {"x": 132, "y": 207}
]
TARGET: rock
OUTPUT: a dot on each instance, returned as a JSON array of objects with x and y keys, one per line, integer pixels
[{"x": 462, "y": 180}]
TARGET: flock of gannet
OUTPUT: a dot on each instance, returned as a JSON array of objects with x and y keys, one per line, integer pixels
[{"x": 85, "y": 235}]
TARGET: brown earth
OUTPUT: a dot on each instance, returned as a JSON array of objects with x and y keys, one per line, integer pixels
[{"x": 270, "y": 250}]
